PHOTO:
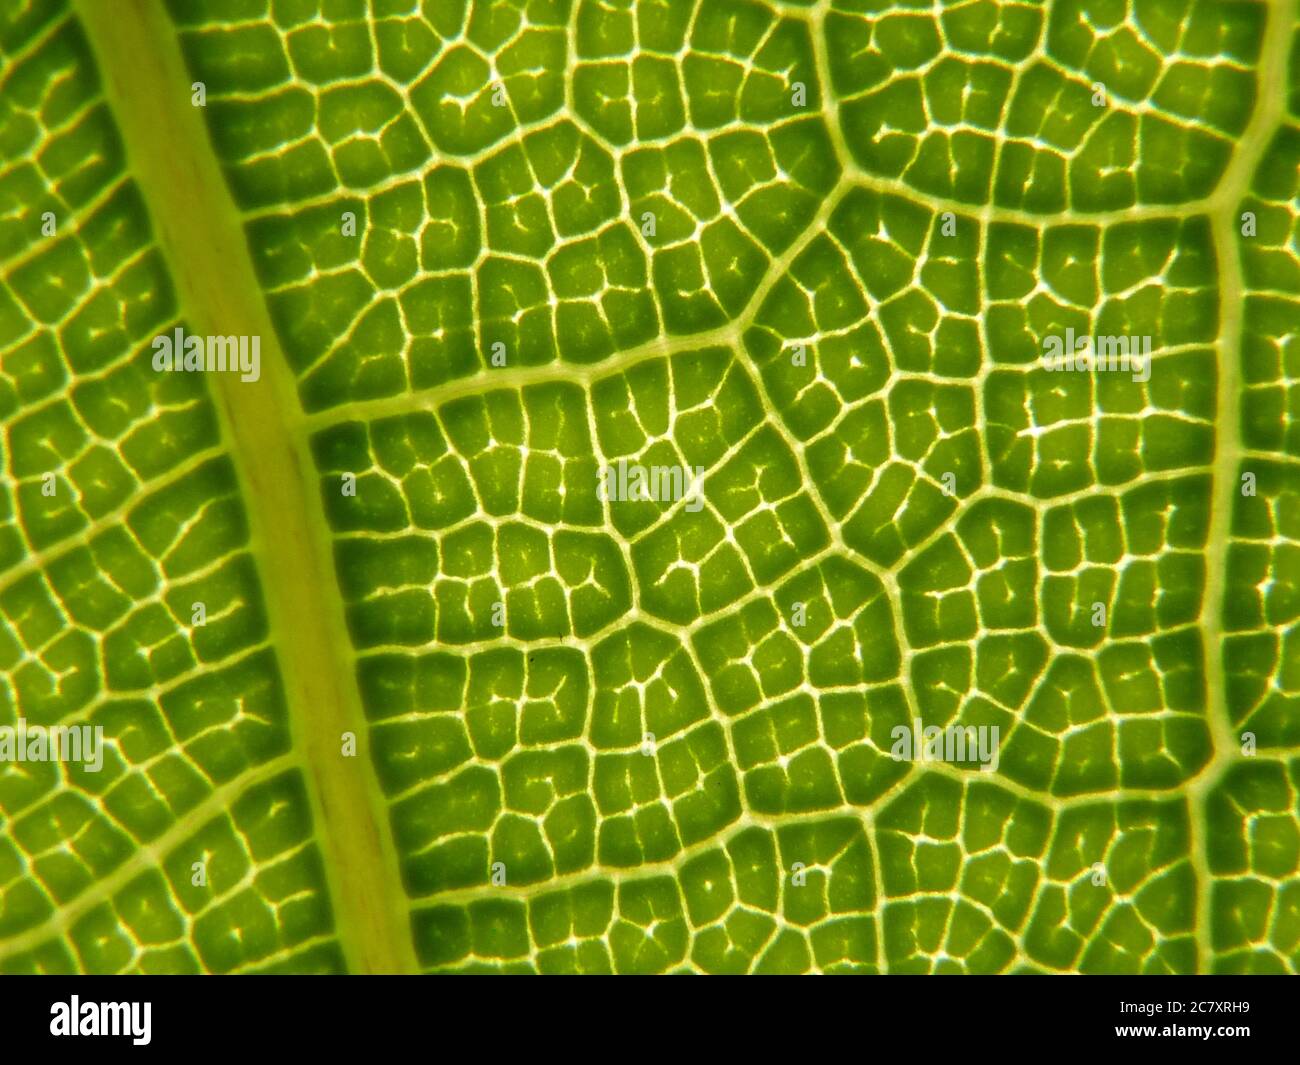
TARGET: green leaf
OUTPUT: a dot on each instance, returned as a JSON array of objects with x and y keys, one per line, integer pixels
[{"x": 654, "y": 428}]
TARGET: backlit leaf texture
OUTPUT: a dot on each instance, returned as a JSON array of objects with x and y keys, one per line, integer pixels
[{"x": 809, "y": 248}]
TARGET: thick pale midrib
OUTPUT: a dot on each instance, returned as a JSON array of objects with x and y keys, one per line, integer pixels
[
  {"x": 1270, "y": 81},
  {"x": 199, "y": 230}
]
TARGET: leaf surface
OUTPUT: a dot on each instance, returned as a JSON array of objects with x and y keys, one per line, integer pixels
[{"x": 804, "y": 254}]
